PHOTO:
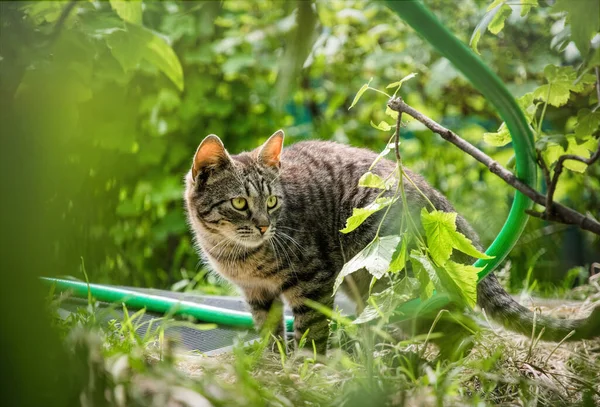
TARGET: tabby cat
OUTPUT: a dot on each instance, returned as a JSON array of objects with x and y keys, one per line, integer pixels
[{"x": 269, "y": 221}]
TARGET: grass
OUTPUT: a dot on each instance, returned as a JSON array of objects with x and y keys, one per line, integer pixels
[{"x": 121, "y": 368}]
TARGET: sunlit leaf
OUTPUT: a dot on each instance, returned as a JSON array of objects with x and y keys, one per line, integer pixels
[
  {"x": 392, "y": 113},
  {"x": 497, "y": 23},
  {"x": 359, "y": 215},
  {"x": 360, "y": 92},
  {"x": 555, "y": 94},
  {"x": 458, "y": 280},
  {"x": 500, "y": 138},
  {"x": 375, "y": 257},
  {"x": 526, "y": 6},
  {"x": 442, "y": 236},
  {"x": 130, "y": 11},
  {"x": 371, "y": 180},
  {"x": 383, "y": 126},
  {"x": 399, "y": 261},
  {"x": 401, "y": 81}
]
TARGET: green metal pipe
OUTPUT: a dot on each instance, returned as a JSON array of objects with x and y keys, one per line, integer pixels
[
  {"x": 414, "y": 13},
  {"x": 155, "y": 303}
]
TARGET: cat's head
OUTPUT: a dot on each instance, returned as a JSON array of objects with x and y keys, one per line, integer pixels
[{"x": 235, "y": 198}]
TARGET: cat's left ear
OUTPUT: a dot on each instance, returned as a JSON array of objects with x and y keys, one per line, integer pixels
[{"x": 270, "y": 152}]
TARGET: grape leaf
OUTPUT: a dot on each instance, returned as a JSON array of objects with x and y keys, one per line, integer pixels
[
  {"x": 587, "y": 123},
  {"x": 555, "y": 94},
  {"x": 458, "y": 280},
  {"x": 359, "y": 215},
  {"x": 130, "y": 11},
  {"x": 375, "y": 257},
  {"x": 442, "y": 236},
  {"x": 498, "y": 139},
  {"x": 582, "y": 15}
]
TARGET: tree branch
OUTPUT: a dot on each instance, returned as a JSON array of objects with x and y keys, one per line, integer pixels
[{"x": 559, "y": 213}]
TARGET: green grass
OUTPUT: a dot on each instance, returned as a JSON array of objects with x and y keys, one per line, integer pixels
[{"x": 122, "y": 368}]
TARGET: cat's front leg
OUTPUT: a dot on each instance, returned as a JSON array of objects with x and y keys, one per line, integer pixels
[
  {"x": 309, "y": 319},
  {"x": 267, "y": 311}
]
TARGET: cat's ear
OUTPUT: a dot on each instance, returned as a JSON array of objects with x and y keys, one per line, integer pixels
[
  {"x": 210, "y": 153},
  {"x": 270, "y": 152}
]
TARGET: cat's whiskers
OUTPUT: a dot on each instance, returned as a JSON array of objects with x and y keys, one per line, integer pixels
[{"x": 293, "y": 241}]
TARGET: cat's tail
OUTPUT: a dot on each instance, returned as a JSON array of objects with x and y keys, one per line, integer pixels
[{"x": 498, "y": 304}]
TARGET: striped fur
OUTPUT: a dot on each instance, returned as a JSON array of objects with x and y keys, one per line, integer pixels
[{"x": 302, "y": 251}]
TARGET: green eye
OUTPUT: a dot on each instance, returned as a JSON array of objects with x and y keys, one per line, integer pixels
[
  {"x": 239, "y": 203},
  {"x": 271, "y": 202}
]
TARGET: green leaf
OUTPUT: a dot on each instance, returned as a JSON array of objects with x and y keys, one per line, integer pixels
[
  {"x": 371, "y": 180},
  {"x": 497, "y": 23},
  {"x": 359, "y": 215},
  {"x": 500, "y": 138},
  {"x": 526, "y": 6},
  {"x": 489, "y": 16},
  {"x": 583, "y": 16},
  {"x": 130, "y": 11},
  {"x": 525, "y": 102},
  {"x": 159, "y": 53},
  {"x": 442, "y": 236},
  {"x": 588, "y": 123},
  {"x": 375, "y": 257},
  {"x": 126, "y": 48},
  {"x": 495, "y": 4},
  {"x": 135, "y": 43},
  {"x": 583, "y": 150},
  {"x": 383, "y": 153},
  {"x": 475, "y": 40},
  {"x": 555, "y": 94},
  {"x": 360, "y": 92},
  {"x": 401, "y": 81},
  {"x": 392, "y": 113},
  {"x": 399, "y": 261},
  {"x": 458, "y": 280},
  {"x": 383, "y": 126}
]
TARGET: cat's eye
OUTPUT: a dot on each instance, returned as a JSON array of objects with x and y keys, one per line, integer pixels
[
  {"x": 239, "y": 203},
  {"x": 271, "y": 202}
]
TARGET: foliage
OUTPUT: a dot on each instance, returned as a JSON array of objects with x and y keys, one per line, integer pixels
[{"x": 115, "y": 132}]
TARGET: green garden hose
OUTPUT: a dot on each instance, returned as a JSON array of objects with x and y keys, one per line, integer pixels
[{"x": 414, "y": 13}]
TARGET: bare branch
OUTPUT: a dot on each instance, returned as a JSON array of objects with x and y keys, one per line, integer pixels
[
  {"x": 560, "y": 213},
  {"x": 558, "y": 171}
]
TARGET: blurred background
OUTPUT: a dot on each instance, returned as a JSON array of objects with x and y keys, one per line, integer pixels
[{"x": 103, "y": 107}]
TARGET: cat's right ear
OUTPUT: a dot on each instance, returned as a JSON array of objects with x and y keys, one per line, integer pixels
[{"x": 210, "y": 153}]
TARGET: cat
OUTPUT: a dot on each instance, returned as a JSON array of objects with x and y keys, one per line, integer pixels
[{"x": 269, "y": 221}]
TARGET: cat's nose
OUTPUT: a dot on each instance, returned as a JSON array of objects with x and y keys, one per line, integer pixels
[{"x": 263, "y": 229}]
